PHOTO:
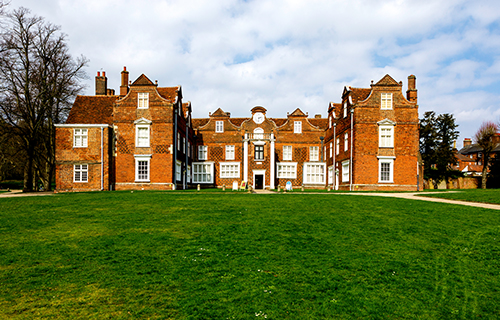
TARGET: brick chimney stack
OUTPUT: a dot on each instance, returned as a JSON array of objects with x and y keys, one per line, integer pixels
[
  {"x": 467, "y": 142},
  {"x": 101, "y": 84},
  {"x": 411, "y": 93},
  {"x": 124, "y": 85}
]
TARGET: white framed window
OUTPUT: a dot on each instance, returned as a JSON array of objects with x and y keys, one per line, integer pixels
[
  {"x": 330, "y": 175},
  {"x": 287, "y": 153},
  {"x": 386, "y": 101},
  {"x": 189, "y": 149},
  {"x": 203, "y": 172},
  {"x": 178, "y": 141},
  {"x": 345, "y": 109},
  {"x": 219, "y": 126},
  {"x": 345, "y": 171},
  {"x": 143, "y": 100},
  {"x": 142, "y": 168},
  {"x": 229, "y": 169},
  {"x": 331, "y": 149},
  {"x": 178, "y": 170},
  {"x": 297, "y": 127},
  {"x": 230, "y": 152},
  {"x": 346, "y": 141},
  {"x": 386, "y": 137},
  {"x": 385, "y": 169},
  {"x": 202, "y": 152},
  {"x": 80, "y": 138},
  {"x": 287, "y": 170},
  {"x": 189, "y": 174},
  {"x": 183, "y": 144},
  {"x": 142, "y": 135},
  {"x": 313, "y": 153},
  {"x": 337, "y": 146},
  {"x": 329, "y": 121},
  {"x": 314, "y": 173},
  {"x": 259, "y": 152},
  {"x": 81, "y": 173}
]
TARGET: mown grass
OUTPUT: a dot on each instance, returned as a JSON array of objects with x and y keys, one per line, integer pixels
[
  {"x": 165, "y": 255},
  {"x": 473, "y": 195}
]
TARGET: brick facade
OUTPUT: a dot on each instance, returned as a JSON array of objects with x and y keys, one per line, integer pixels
[{"x": 150, "y": 141}]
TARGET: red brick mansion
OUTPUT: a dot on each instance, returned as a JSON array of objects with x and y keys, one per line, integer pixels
[{"x": 145, "y": 138}]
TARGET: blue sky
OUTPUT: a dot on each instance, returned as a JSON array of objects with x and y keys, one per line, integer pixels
[{"x": 292, "y": 54}]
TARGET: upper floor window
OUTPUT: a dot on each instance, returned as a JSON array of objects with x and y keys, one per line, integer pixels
[
  {"x": 313, "y": 153},
  {"x": 297, "y": 127},
  {"x": 345, "y": 171},
  {"x": 142, "y": 136},
  {"x": 80, "y": 138},
  {"x": 80, "y": 173},
  {"x": 229, "y": 152},
  {"x": 337, "y": 146},
  {"x": 202, "y": 152},
  {"x": 258, "y": 133},
  {"x": 386, "y": 137},
  {"x": 331, "y": 149},
  {"x": 183, "y": 144},
  {"x": 346, "y": 141},
  {"x": 143, "y": 100},
  {"x": 259, "y": 152},
  {"x": 287, "y": 153},
  {"x": 329, "y": 122},
  {"x": 178, "y": 141},
  {"x": 189, "y": 149},
  {"x": 219, "y": 126},
  {"x": 386, "y": 101},
  {"x": 345, "y": 109}
]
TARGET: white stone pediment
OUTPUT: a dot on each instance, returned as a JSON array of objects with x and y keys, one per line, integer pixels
[
  {"x": 143, "y": 121},
  {"x": 386, "y": 122}
]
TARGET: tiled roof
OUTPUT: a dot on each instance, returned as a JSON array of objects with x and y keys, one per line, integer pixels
[
  {"x": 199, "y": 122},
  {"x": 360, "y": 94},
  {"x": 387, "y": 80},
  {"x": 92, "y": 110},
  {"x": 168, "y": 93},
  {"x": 463, "y": 158},
  {"x": 279, "y": 121},
  {"x": 219, "y": 113},
  {"x": 320, "y": 123},
  {"x": 142, "y": 81},
  {"x": 237, "y": 121},
  {"x": 297, "y": 113}
]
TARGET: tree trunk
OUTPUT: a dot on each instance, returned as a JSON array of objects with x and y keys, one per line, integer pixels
[
  {"x": 28, "y": 171},
  {"x": 484, "y": 174}
]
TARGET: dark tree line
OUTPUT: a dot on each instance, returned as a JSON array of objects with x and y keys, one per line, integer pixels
[
  {"x": 437, "y": 135},
  {"x": 38, "y": 82}
]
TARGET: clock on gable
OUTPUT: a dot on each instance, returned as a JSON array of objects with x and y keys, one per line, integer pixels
[{"x": 258, "y": 117}]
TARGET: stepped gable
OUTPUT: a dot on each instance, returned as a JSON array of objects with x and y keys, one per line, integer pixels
[
  {"x": 92, "y": 110},
  {"x": 142, "y": 81},
  {"x": 297, "y": 113},
  {"x": 387, "y": 80},
  {"x": 321, "y": 123},
  {"x": 168, "y": 93}
]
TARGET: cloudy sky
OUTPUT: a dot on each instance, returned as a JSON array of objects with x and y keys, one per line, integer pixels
[{"x": 282, "y": 54}]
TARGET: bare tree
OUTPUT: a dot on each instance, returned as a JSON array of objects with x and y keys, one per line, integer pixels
[
  {"x": 38, "y": 81},
  {"x": 484, "y": 138}
]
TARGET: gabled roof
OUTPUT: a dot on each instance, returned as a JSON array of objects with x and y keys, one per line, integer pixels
[
  {"x": 463, "y": 158},
  {"x": 387, "y": 80},
  {"x": 237, "y": 121},
  {"x": 360, "y": 94},
  {"x": 279, "y": 121},
  {"x": 142, "y": 81},
  {"x": 92, "y": 110},
  {"x": 169, "y": 93},
  {"x": 297, "y": 113},
  {"x": 199, "y": 122},
  {"x": 220, "y": 113},
  {"x": 321, "y": 123}
]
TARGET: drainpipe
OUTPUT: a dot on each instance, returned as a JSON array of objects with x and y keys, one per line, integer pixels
[
  {"x": 186, "y": 152},
  {"x": 334, "y": 176},
  {"x": 350, "y": 161}
]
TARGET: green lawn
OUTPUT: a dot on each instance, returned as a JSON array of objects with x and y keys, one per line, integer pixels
[
  {"x": 164, "y": 255},
  {"x": 474, "y": 195}
]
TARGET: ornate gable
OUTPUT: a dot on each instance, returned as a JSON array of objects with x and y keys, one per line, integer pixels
[
  {"x": 220, "y": 113},
  {"x": 387, "y": 80},
  {"x": 142, "y": 81},
  {"x": 386, "y": 122}
]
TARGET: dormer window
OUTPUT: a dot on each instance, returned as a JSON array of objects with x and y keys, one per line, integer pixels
[
  {"x": 329, "y": 122},
  {"x": 386, "y": 101},
  {"x": 219, "y": 126},
  {"x": 297, "y": 127},
  {"x": 143, "y": 100}
]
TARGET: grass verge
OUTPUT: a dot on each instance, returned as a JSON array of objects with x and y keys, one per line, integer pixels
[
  {"x": 166, "y": 255},
  {"x": 473, "y": 195}
]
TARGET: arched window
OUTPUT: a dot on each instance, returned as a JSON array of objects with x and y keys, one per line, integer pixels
[{"x": 258, "y": 133}]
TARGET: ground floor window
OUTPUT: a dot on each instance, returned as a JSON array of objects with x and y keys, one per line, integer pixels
[
  {"x": 230, "y": 170},
  {"x": 178, "y": 170},
  {"x": 314, "y": 173},
  {"x": 81, "y": 173},
  {"x": 330, "y": 175},
  {"x": 203, "y": 172},
  {"x": 345, "y": 171},
  {"x": 142, "y": 168},
  {"x": 287, "y": 170},
  {"x": 386, "y": 170}
]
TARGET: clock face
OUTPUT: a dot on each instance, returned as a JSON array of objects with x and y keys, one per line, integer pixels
[{"x": 258, "y": 117}]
